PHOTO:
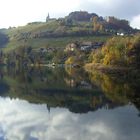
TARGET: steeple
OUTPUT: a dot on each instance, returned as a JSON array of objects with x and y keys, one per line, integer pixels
[
  {"x": 48, "y": 17},
  {"x": 49, "y": 108}
]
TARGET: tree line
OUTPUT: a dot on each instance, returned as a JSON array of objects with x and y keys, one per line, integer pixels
[{"x": 120, "y": 51}]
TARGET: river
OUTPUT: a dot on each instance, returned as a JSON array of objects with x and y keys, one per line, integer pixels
[{"x": 67, "y": 104}]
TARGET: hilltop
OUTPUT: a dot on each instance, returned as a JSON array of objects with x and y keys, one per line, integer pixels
[
  {"x": 74, "y": 40},
  {"x": 78, "y": 24}
]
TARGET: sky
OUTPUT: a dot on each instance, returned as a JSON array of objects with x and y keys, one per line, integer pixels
[{"x": 21, "y": 12}]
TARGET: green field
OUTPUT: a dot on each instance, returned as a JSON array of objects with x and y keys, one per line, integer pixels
[{"x": 60, "y": 42}]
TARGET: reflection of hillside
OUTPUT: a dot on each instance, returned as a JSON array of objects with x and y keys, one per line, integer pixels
[
  {"x": 4, "y": 88},
  {"x": 78, "y": 101},
  {"x": 117, "y": 89},
  {"x": 135, "y": 96},
  {"x": 49, "y": 86},
  {"x": 77, "y": 78}
]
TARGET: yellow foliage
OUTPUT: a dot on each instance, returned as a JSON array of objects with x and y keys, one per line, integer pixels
[
  {"x": 70, "y": 60},
  {"x": 122, "y": 51}
]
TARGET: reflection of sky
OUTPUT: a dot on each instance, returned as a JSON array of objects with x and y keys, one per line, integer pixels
[{"x": 20, "y": 120}]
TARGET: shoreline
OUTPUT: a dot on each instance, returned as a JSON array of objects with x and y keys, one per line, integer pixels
[{"x": 119, "y": 70}]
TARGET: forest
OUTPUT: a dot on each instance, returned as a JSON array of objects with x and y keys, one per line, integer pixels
[{"x": 118, "y": 51}]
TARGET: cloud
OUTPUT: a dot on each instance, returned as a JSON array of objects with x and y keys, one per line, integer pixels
[
  {"x": 19, "y": 12},
  {"x": 20, "y": 120},
  {"x": 136, "y": 22},
  {"x": 119, "y": 8}
]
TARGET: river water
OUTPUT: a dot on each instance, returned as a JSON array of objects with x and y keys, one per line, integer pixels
[{"x": 67, "y": 104}]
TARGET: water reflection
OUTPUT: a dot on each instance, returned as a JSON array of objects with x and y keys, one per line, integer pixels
[
  {"x": 56, "y": 88},
  {"x": 21, "y": 120},
  {"x": 66, "y": 104},
  {"x": 122, "y": 89},
  {"x": 74, "y": 89}
]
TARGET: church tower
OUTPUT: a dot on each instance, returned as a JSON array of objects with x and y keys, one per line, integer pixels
[{"x": 48, "y": 17}]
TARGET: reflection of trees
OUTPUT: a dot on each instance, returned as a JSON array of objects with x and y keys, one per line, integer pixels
[
  {"x": 135, "y": 96},
  {"x": 4, "y": 88},
  {"x": 118, "y": 89},
  {"x": 77, "y": 78},
  {"x": 48, "y": 86}
]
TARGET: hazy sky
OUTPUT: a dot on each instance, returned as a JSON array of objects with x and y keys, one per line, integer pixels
[{"x": 20, "y": 12}]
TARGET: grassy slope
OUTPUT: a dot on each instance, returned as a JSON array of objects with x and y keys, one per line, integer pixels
[
  {"x": 51, "y": 42},
  {"x": 15, "y": 33}
]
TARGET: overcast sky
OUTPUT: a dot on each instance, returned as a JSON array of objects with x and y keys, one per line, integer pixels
[{"x": 20, "y": 12}]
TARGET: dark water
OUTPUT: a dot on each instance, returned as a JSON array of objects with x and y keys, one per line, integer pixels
[{"x": 68, "y": 104}]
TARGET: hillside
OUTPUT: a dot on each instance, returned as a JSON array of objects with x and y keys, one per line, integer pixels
[{"x": 78, "y": 24}]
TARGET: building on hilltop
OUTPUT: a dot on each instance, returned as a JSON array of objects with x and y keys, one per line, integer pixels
[{"x": 48, "y": 17}]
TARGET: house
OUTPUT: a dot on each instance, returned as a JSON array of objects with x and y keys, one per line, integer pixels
[
  {"x": 43, "y": 50},
  {"x": 87, "y": 46},
  {"x": 50, "y": 19},
  {"x": 120, "y": 34},
  {"x": 96, "y": 45},
  {"x": 47, "y": 50},
  {"x": 70, "y": 47}
]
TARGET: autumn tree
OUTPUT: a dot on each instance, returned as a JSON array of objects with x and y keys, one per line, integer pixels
[{"x": 97, "y": 25}]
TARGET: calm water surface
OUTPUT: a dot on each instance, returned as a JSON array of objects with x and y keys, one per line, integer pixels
[{"x": 67, "y": 104}]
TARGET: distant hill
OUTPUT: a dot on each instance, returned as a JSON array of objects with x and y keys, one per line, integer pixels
[
  {"x": 81, "y": 16},
  {"x": 108, "y": 23}
]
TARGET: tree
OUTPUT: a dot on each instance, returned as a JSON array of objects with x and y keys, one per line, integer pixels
[{"x": 97, "y": 25}]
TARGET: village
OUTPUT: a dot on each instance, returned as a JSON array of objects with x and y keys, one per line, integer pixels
[
  {"x": 76, "y": 51},
  {"x": 81, "y": 46}
]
